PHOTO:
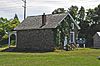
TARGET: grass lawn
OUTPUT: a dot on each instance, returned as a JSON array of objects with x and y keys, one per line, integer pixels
[{"x": 80, "y": 57}]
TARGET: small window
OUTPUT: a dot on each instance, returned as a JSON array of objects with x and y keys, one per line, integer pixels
[{"x": 72, "y": 40}]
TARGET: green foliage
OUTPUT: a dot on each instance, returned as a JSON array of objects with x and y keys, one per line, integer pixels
[
  {"x": 1, "y": 29},
  {"x": 64, "y": 28},
  {"x": 5, "y": 37},
  {"x": 81, "y": 13},
  {"x": 59, "y": 11},
  {"x": 62, "y": 31},
  {"x": 89, "y": 15},
  {"x": 7, "y": 26},
  {"x": 12, "y": 42},
  {"x": 68, "y": 47},
  {"x": 73, "y": 10},
  {"x": 88, "y": 20}
]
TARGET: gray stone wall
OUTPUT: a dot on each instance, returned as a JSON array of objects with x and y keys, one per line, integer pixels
[{"x": 41, "y": 40}]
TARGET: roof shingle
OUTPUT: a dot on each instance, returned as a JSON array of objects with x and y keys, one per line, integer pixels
[{"x": 35, "y": 22}]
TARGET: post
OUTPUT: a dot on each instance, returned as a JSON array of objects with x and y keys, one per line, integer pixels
[
  {"x": 77, "y": 45},
  {"x": 8, "y": 39},
  {"x": 84, "y": 45},
  {"x": 16, "y": 38},
  {"x": 24, "y": 8}
]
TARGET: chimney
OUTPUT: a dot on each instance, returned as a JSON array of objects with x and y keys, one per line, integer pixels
[{"x": 43, "y": 19}]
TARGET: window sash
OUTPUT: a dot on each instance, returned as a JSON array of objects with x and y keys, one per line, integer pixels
[{"x": 72, "y": 37}]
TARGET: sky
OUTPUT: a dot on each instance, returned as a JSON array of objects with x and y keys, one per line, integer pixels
[{"x": 8, "y": 8}]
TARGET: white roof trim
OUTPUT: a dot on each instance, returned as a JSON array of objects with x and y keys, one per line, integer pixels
[
  {"x": 98, "y": 33},
  {"x": 74, "y": 21}
]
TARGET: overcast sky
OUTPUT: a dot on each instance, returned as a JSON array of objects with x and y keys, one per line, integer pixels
[{"x": 37, "y": 7}]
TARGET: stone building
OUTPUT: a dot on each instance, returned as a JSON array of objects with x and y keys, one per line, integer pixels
[{"x": 38, "y": 32}]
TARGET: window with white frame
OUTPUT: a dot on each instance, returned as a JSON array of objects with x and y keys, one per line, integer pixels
[{"x": 72, "y": 37}]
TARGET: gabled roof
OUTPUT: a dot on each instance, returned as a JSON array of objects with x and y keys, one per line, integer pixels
[
  {"x": 98, "y": 33},
  {"x": 35, "y": 22},
  {"x": 78, "y": 27}
]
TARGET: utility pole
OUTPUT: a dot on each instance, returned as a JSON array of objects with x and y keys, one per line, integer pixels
[{"x": 24, "y": 8}]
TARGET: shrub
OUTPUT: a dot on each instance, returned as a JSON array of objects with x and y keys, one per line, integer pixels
[
  {"x": 68, "y": 47},
  {"x": 12, "y": 42}
]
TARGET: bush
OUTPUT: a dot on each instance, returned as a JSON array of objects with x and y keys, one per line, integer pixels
[
  {"x": 12, "y": 42},
  {"x": 68, "y": 47},
  {"x": 5, "y": 37}
]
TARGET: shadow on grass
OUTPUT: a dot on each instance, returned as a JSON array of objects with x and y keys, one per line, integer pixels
[
  {"x": 95, "y": 48},
  {"x": 14, "y": 49}
]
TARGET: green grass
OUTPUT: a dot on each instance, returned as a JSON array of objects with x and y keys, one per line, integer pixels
[{"x": 80, "y": 57}]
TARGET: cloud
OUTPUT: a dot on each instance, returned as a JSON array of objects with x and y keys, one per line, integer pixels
[{"x": 36, "y": 7}]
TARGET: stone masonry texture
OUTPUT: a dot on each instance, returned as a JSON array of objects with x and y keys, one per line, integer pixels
[{"x": 36, "y": 40}]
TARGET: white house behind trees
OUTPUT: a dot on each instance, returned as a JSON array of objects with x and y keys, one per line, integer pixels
[{"x": 96, "y": 39}]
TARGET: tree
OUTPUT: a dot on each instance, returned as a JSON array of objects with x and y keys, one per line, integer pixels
[
  {"x": 88, "y": 20},
  {"x": 81, "y": 13},
  {"x": 64, "y": 28},
  {"x": 2, "y": 29},
  {"x": 82, "y": 23},
  {"x": 89, "y": 16},
  {"x": 7, "y": 26},
  {"x": 89, "y": 24},
  {"x": 16, "y": 17},
  {"x": 59, "y": 11},
  {"x": 12, "y": 23},
  {"x": 96, "y": 17},
  {"x": 73, "y": 10}
]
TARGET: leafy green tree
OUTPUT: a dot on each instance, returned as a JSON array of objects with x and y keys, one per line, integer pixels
[
  {"x": 59, "y": 11},
  {"x": 73, "y": 10},
  {"x": 89, "y": 16},
  {"x": 89, "y": 20},
  {"x": 7, "y": 26},
  {"x": 81, "y": 13},
  {"x": 64, "y": 28},
  {"x": 82, "y": 23},
  {"x": 12, "y": 23},
  {"x": 2, "y": 29},
  {"x": 96, "y": 17}
]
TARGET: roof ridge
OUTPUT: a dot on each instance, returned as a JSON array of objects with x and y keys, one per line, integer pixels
[
  {"x": 35, "y": 22},
  {"x": 46, "y": 15}
]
